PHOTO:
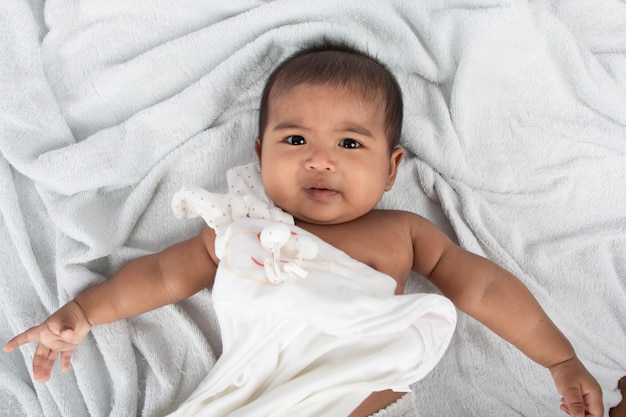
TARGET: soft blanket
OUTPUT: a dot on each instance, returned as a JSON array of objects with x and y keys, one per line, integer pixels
[{"x": 516, "y": 139}]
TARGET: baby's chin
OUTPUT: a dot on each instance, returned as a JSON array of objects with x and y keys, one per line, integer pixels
[
  {"x": 323, "y": 214},
  {"x": 325, "y": 221},
  {"x": 317, "y": 222}
]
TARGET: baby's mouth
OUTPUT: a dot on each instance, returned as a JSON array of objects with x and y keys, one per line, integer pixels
[{"x": 321, "y": 192}]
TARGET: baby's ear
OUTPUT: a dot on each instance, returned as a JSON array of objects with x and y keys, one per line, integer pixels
[
  {"x": 394, "y": 163},
  {"x": 257, "y": 147}
]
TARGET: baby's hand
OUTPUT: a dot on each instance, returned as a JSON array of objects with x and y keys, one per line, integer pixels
[
  {"x": 56, "y": 337},
  {"x": 581, "y": 393}
]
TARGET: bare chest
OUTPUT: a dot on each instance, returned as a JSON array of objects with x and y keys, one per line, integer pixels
[{"x": 380, "y": 249}]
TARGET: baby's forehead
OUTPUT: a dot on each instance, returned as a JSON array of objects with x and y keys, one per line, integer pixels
[{"x": 359, "y": 91}]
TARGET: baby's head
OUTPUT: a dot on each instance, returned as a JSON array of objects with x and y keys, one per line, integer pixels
[
  {"x": 339, "y": 66},
  {"x": 329, "y": 127}
]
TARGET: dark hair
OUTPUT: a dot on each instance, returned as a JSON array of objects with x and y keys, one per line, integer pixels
[{"x": 343, "y": 66}]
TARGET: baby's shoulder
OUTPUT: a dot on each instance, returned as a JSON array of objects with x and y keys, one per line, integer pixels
[
  {"x": 405, "y": 222},
  {"x": 380, "y": 223}
]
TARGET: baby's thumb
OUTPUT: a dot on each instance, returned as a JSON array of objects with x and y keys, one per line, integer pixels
[
  {"x": 63, "y": 325},
  {"x": 67, "y": 332},
  {"x": 68, "y": 322}
]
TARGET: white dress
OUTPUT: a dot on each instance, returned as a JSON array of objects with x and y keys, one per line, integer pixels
[{"x": 306, "y": 330}]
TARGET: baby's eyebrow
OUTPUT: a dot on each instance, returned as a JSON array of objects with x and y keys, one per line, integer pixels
[
  {"x": 359, "y": 130},
  {"x": 289, "y": 125}
]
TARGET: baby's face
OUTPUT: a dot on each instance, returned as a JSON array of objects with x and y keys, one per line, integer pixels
[{"x": 325, "y": 156}]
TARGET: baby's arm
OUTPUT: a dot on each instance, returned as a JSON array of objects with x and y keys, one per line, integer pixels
[
  {"x": 144, "y": 284},
  {"x": 499, "y": 300}
]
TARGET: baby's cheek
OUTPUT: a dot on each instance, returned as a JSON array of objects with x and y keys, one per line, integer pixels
[{"x": 278, "y": 194}]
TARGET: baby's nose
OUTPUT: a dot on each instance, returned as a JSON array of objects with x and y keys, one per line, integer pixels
[{"x": 321, "y": 160}]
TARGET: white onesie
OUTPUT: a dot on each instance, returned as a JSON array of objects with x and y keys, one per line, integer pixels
[{"x": 306, "y": 330}]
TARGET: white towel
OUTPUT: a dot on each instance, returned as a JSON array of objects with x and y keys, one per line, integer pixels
[{"x": 514, "y": 128}]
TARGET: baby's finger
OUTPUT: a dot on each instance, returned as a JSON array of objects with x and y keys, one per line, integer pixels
[
  {"x": 573, "y": 401},
  {"x": 66, "y": 359},
  {"x": 595, "y": 407},
  {"x": 43, "y": 361},
  {"x": 30, "y": 335}
]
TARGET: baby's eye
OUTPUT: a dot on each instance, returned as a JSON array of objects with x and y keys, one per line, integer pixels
[
  {"x": 349, "y": 143},
  {"x": 295, "y": 140}
]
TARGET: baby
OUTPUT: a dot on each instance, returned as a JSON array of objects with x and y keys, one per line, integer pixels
[{"x": 329, "y": 127}]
